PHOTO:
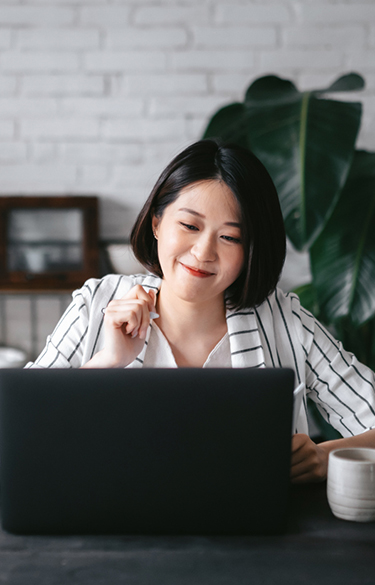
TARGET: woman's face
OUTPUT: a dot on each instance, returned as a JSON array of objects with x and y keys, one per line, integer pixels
[{"x": 199, "y": 242}]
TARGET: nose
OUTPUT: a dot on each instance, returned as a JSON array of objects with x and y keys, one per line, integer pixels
[{"x": 204, "y": 248}]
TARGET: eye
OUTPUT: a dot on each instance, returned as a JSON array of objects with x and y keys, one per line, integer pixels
[
  {"x": 189, "y": 227},
  {"x": 231, "y": 239}
]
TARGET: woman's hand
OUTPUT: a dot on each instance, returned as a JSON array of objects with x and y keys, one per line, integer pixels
[
  {"x": 126, "y": 321},
  {"x": 309, "y": 461}
]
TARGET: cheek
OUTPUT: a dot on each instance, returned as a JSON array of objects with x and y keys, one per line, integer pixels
[
  {"x": 175, "y": 240},
  {"x": 169, "y": 245}
]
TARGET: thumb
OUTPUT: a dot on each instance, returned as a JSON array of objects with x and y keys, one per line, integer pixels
[{"x": 152, "y": 295}]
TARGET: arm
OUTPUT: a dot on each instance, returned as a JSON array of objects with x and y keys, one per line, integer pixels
[
  {"x": 310, "y": 461},
  {"x": 344, "y": 392}
]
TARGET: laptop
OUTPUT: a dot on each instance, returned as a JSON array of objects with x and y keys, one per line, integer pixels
[{"x": 145, "y": 451}]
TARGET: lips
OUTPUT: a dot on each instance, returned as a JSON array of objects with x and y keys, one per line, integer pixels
[{"x": 196, "y": 271}]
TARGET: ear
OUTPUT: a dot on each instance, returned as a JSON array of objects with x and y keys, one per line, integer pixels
[{"x": 155, "y": 225}]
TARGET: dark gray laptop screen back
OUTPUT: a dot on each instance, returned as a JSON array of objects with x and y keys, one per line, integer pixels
[{"x": 148, "y": 451}]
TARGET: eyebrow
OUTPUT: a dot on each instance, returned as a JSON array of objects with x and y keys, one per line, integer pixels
[{"x": 192, "y": 212}]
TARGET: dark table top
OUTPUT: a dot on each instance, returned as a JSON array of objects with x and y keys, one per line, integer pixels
[{"x": 317, "y": 549}]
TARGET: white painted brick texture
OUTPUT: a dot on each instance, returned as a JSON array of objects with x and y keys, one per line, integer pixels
[{"x": 97, "y": 95}]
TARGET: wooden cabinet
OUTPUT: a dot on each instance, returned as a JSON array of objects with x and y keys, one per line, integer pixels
[{"x": 47, "y": 243}]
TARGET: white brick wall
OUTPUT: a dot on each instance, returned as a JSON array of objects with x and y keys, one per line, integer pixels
[
  {"x": 88, "y": 86},
  {"x": 25, "y": 321},
  {"x": 96, "y": 96}
]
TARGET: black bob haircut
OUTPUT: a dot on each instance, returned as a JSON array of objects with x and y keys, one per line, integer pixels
[{"x": 262, "y": 226}]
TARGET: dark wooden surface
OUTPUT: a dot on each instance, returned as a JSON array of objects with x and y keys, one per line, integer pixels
[{"x": 317, "y": 549}]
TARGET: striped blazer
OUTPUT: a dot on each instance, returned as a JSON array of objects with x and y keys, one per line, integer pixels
[{"x": 278, "y": 333}]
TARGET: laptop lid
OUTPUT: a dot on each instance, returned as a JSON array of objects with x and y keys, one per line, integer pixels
[{"x": 145, "y": 451}]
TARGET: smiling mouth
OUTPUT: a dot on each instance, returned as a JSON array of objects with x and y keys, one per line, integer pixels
[{"x": 197, "y": 271}]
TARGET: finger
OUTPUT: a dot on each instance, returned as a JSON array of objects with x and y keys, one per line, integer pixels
[
  {"x": 313, "y": 465},
  {"x": 149, "y": 311},
  {"x": 126, "y": 315},
  {"x": 122, "y": 305},
  {"x": 139, "y": 319},
  {"x": 306, "y": 451},
  {"x": 299, "y": 441},
  {"x": 310, "y": 474},
  {"x": 150, "y": 298},
  {"x": 152, "y": 307},
  {"x": 304, "y": 478},
  {"x": 138, "y": 292},
  {"x": 299, "y": 469},
  {"x": 299, "y": 456},
  {"x": 133, "y": 311},
  {"x": 145, "y": 322},
  {"x": 152, "y": 295}
]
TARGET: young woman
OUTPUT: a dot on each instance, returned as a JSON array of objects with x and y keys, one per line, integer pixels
[{"x": 212, "y": 236}]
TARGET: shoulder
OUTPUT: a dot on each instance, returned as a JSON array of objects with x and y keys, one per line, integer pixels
[
  {"x": 279, "y": 307},
  {"x": 284, "y": 311},
  {"x": 287, "y": 305},
  {"x": 113, "y": 286}
]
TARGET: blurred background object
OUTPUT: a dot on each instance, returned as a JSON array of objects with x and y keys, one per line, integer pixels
[
  {"x": 48, "y": 242},
  {"x": 11, "y": 357},
  {"x": 123, "y": 260}
]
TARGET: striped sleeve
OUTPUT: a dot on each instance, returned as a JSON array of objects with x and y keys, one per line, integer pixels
[
  {"x": 64, "y": 347},
  {"x": 342, "y": 388}
]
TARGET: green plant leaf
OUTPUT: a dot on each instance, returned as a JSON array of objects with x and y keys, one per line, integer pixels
[
  {"x": 229, "y": 124},
  {"x": 343, "y": 257},
  {"x": 307, "y": 296},
  {"x": 307, "y": 144},
  {"x": 359, "y": 340},
  {"x": 348, "y": 82},
  {"x": 305, "y": 141}
]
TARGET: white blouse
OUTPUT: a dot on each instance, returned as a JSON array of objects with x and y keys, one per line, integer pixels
[
  {"x": 159, "y": 353},
  {"x": 278, "y": 333}
]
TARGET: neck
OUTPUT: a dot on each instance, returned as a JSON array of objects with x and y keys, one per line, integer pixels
[{"x": 180, "y": 317}]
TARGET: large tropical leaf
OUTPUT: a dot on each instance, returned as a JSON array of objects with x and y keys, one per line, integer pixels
[
  {"x": 343, "y": 257},
  {"x": 308, "y": 298},
  {"x": 305, "y": 141},
  {"x": 359, "y": 340},
  {"x": 229, "y": 124}
]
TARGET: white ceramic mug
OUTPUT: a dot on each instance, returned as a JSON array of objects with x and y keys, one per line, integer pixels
[{"x": 351, "y": 484}]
